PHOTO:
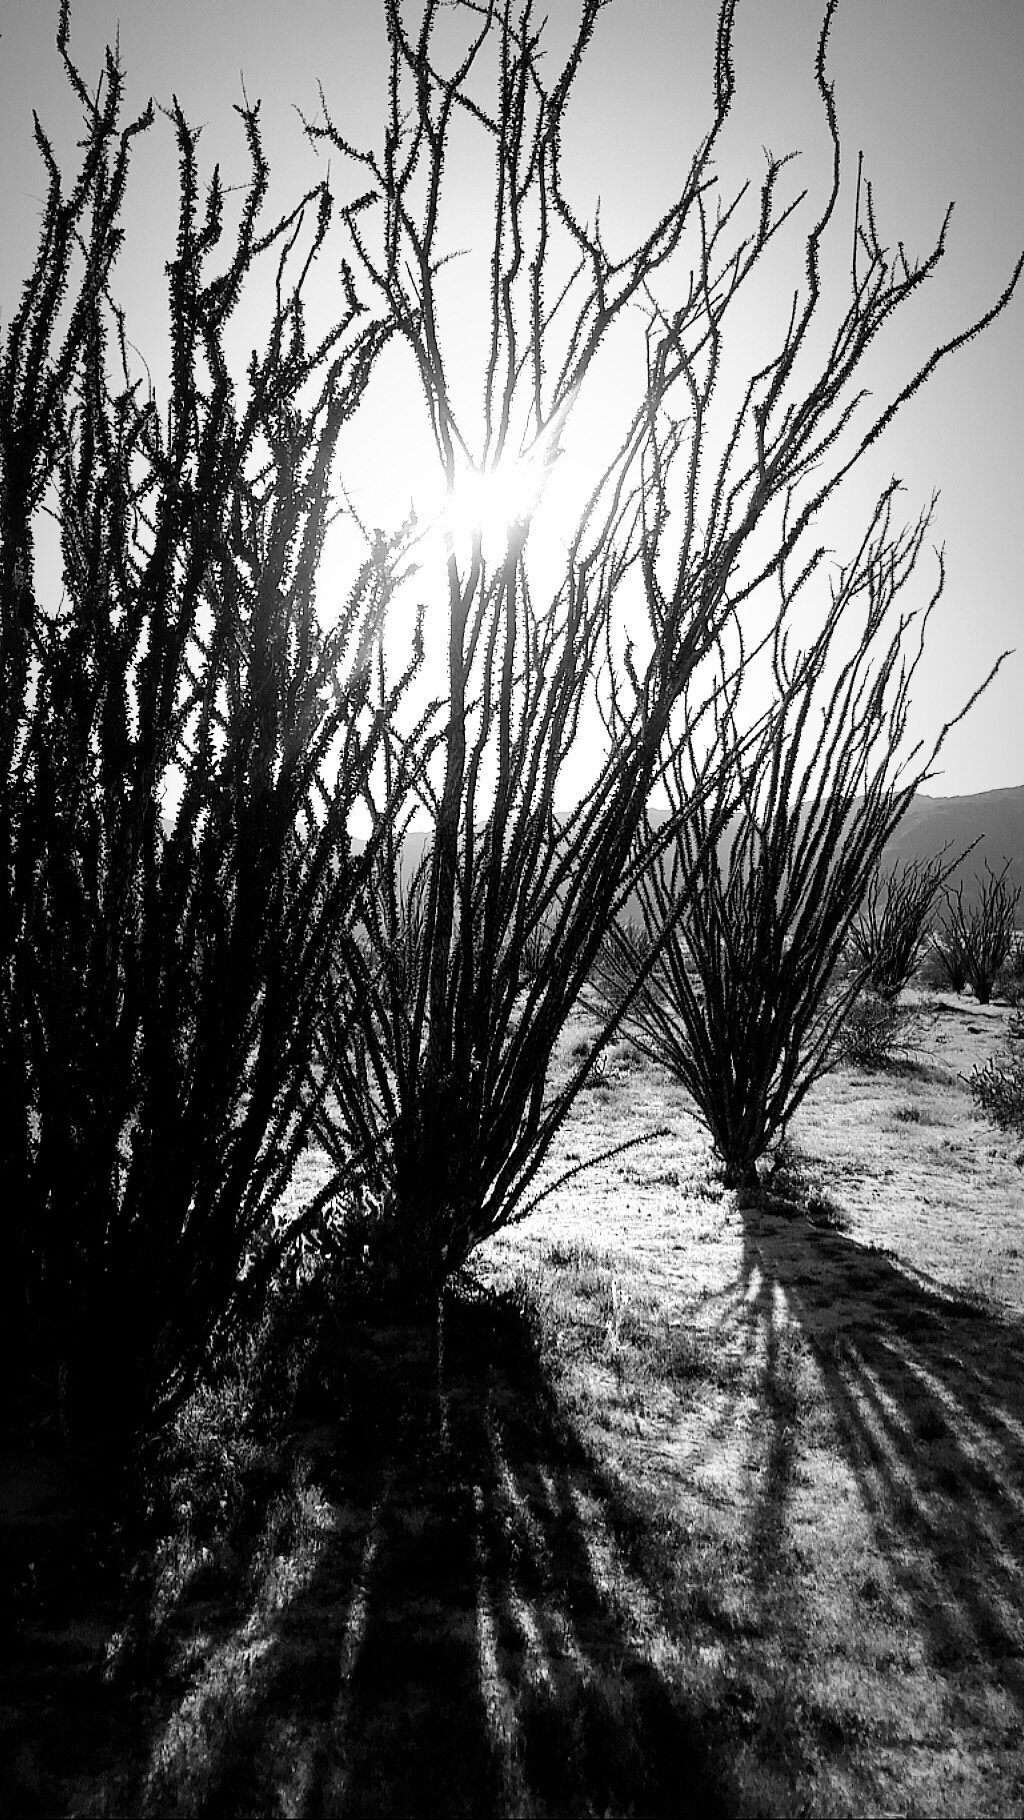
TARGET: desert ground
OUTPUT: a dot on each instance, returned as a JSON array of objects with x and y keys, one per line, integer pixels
[{"x": 693, "y": 1505}]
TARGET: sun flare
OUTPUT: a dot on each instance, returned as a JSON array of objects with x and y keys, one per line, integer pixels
[{"x": 498, "y": 503}]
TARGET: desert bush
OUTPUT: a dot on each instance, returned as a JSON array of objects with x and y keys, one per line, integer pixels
[
  {"x": 998, "y": 1087},
  {"x": 1009, "y": 982},
  {"x": 451, "y": 1112},
  {"x": 794, "y": 1180},
  {"x": 873, "y": 1032},
  {"x": 941, "y": 969},
  {"x": 161, "y": 965},
  {"x": 748, "y": 1001},
  {"x": 891, "y": 930},
  {"x": 974, "y": 943}
]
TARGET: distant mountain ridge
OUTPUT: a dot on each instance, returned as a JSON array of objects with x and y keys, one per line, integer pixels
[{"x": 995, "y": 818}]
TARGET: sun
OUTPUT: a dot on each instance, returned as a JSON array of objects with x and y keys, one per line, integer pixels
[{"x": 498, "y": 503}]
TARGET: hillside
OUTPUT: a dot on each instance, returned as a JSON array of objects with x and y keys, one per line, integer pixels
[
  {"x": 995, "y": 818},
  {"x": 933, "y": 822}
]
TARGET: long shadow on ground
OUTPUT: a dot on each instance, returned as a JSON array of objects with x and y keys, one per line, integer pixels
[
  {"x": 444, "y": 1607},
  {"x": 440, "y": 1631},
  {"x": 928, "y": 1395}
]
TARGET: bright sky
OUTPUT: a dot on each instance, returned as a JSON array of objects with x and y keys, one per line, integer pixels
[{"x": 930, "y": 92}]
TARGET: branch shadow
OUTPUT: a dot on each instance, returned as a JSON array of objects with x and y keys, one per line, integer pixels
[
  {"x": 455, "y": 1631},
  {"x": 927, "y": 1392}
]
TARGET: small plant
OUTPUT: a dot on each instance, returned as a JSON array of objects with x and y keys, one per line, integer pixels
[
  {"x": 1010, "y": 978},
  {"x": 998, "y": 1087},
  {"x": 941, "y": 969},
  {"x": 973, "y": 944},
  {"x": 873, "y": 1033},
  {"x": 795, "y": 1181},
  {"x": 891, "y": 932}
]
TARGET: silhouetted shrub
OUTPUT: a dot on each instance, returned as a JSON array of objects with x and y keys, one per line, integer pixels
[
  {"x": 748, "y": 1000},
  {"x": 448, "y": 1110},
  {"x": 973, "y": 944},
  {"x": 890, "y": 933},
  {"x": 162, "y": 960},
  {"x": 939, "y": 971}
]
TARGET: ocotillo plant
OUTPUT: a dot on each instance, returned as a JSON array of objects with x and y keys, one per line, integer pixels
[
  {"x": 448, "y": 1116},
  {"x": 973, "y": 943},
  {"x": 891, "y": 932},
  {"x": 161, "y": 963},
  {"x": 747, "y": 996}
]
